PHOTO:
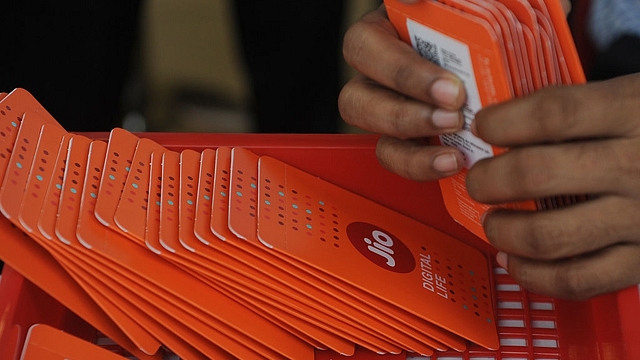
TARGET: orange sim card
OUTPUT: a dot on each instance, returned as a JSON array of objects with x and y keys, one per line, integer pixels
[
  {"x": 46, "y": 343},
  {"x": 369, "y": 311},
  {"x": 131, "y": 212},
  {"x": 286, "y": 278},
  {"x": 41, "y": 166},
  {"x": 242, "y": 195},
  {"x": 225, "y": 267},
  {"x": 187, "y": 341},
  {"x": 377, "y": 250},
  {"x": 232, "y": 323},
  {"x": 469, "y": 47},
  {"x": 69, "y": 252},
  {"x": 154, "y": 276}
]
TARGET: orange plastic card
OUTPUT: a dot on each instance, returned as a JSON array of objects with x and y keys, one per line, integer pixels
[
  {"x": 73, "y": 256},
  {"x": 41, "y": 165},
  {"x": 220, "y": 197},
  {"x": 227, "y": 268},
  {"x": 202, "y": 218},
  {"x": 131, "y": 212},
  {"x": 243, "y": 193},
  {"x": 359, "y": 305},
  {"x": 122, "y": 147},
  {"x": 169, "y": 232},
  {"x": 395, "y": 258},
  {"x": 46, "y": 343}
]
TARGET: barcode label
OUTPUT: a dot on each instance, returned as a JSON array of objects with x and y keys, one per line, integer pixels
[{"x": 427, "y": 50}]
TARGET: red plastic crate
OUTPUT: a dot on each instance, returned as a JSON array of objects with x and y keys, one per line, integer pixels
[{"x": 530, "y": 326}]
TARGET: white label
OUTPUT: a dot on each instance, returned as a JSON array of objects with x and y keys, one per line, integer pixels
[{"x": 455, "y": 57}]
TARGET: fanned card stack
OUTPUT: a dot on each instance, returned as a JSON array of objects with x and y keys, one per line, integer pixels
[
  {"x": 225, "y": 253},
  {"x": 500, "y": 49}
]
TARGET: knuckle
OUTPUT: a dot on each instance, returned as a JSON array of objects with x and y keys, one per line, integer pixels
[
  {"x": 403, "y": 119},
  {"x": 403, "y": 76},
  {"x": 352, "y": 47},
  {"x": 346, "y": 103},
  {"x": 389, "y": 156},
  {"x": 531, "y": 172},
  {"x": 625, "y": 160},
  {"x": 533, "y": 238},
  {"x": 576, "y": 283},
  {"x": 525, "y": 277},
  {"x": 403, "y": 157},
  {"x": 554, "y": 111},
  {"x": 478, "y": 177},
  {"x": 383, "y": 152},
  {"x": 541, "y": 240}
]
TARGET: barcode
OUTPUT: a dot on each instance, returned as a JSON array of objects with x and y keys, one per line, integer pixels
[{"x": 427, "y": 50}]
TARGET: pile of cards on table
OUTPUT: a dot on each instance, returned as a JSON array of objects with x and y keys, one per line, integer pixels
[
  {"x": 227, "y": 254},
  {"x": 500, "y": 49}
]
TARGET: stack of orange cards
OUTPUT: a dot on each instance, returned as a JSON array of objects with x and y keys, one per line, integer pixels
[
  {"x": 225, "y": 253},
  {"x": 500, "y": 49}
]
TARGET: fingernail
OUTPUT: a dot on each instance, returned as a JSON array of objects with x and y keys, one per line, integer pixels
[
  {"x": 502, "y": 259},
  {"x": 446, "y": 119},
  {"x": 445, "y": 163},
  {"x": 446, "y": 91}
]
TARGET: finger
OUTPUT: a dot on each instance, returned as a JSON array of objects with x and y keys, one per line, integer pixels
[
  {"x": 603, "y": 109},
  {"x": 566, "y": 232},
  {"x": 566, "y": 6},
  {"x": 604, "y": 166},
  {"x": 605, "y": 271},
  {"x": 397, "y": 65},
  {"x": 417, "y": 161},
  {"x": 369, "y": 106}
]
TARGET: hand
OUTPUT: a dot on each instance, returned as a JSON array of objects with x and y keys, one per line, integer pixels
[
  {"x": 565, "y": 140},
  {"x": 403, "y": 97}
]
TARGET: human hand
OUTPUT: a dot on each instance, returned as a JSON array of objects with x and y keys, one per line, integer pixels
[
  {"x": 403, "y": 97},
  {"x": 565, "y": 140}
]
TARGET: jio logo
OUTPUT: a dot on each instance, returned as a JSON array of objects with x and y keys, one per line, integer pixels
[{"x": 381, "y": 247}]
